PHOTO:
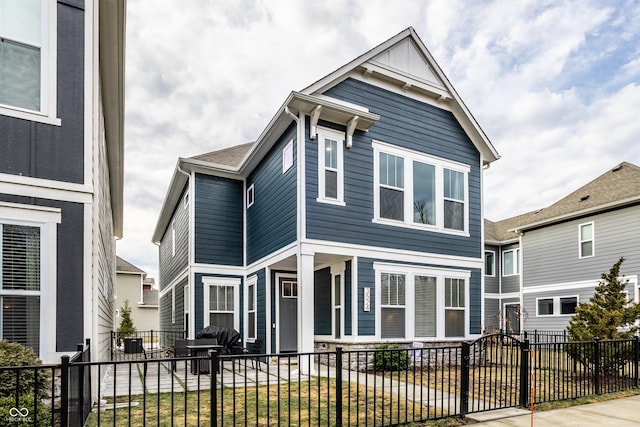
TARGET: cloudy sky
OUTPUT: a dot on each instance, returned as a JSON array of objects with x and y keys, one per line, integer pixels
[{"x": 554, "y": 84}]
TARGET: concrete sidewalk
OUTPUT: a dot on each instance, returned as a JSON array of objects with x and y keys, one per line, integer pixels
[{"x": 617, "y": 412}]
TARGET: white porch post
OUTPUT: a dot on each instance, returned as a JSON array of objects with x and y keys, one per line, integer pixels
[{"x": 305, "y": 307}]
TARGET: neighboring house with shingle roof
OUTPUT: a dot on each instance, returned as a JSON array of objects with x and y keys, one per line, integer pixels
[
  {"x": 355, "y": 218},
  {"x": 133, "y": 284},
  {"x": 539, "y": 265}
]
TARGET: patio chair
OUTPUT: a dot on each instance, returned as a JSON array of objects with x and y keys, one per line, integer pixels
[{"x": 254, "y": 348}]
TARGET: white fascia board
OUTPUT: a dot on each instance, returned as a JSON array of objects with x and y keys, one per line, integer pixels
[{"x": 171, "y": 198}]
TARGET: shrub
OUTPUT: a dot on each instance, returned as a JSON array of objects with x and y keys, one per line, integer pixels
[
  {"x": 14, "y": 354},
  {"x": 126, "y": 328},
  {"x": 25, "y": 413},
  {"x": 390, "y": 357}
]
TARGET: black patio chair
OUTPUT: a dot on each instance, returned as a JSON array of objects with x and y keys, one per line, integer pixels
[{"x": 254, "y": 347}]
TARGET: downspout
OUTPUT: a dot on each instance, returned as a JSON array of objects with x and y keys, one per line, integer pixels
[{"x": 191, "y": 302}]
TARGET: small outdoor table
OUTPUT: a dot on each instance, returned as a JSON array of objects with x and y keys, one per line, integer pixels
[{"x": 201, "y": 366}]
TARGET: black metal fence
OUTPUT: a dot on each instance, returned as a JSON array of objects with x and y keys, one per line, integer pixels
[
  {"x": 141, "y": 344},
  {"x": 385, "y": 386}
]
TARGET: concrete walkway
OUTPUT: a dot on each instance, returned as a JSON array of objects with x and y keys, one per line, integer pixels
[{"x": 618, "y": 412}]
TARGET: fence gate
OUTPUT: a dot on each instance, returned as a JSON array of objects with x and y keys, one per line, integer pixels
[{"x": 492, "y": 373}]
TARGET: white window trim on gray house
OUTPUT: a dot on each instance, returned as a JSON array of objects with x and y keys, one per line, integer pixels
[
  {"x": 40, "y": 35},
  {"x": 405, "y": 184},
  {"x": 493, "y": 263},
  {"x": 251, "y": 287},
  {"x": 556, "y": 305},
  {"x": 409, "y": 304},
  {"x": 586, "y": 239},
  {"x": 515, "y": 262},
  {"x": 328, "y": 165}
]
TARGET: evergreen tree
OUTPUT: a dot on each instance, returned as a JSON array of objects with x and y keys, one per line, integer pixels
[
  {"x": 126, "y": 327},
  {"x": 609, "y": 314}
]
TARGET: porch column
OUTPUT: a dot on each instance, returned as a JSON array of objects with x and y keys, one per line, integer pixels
[{"x": 305, "y": 307}]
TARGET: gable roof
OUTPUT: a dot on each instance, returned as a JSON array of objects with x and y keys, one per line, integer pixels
[
  {"x": 616, "y": 188},
  {"x": 404, "y": 61},
  {"x": 123, "y": 266}
]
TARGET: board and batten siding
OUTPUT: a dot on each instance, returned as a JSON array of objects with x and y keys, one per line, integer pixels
[
  {"x": 271, "y": 220},
  {"x": 551, "y": 253},
  {"x": 172, "y": 264},
  {"x": 405, "y": 123},
  {"x": 46, "y": 151},
  {"x": 218, "y": 220}
]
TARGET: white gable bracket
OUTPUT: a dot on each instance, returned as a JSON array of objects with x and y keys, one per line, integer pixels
[
  {"x": 315, "y": 115},
  {"x": 351, "y": 127}
]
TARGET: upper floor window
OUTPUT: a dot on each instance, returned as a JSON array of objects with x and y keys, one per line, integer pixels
[
  {"x": 416, "y": 190},
  {"x": 511, "y": 262},
  {"x": 489, "y": 263},
  {"x": 251, "y": 195},
  {"x": 586, "y": 240},
  {"x": 27, "y": 59},
  {"x": 287, "y": 156},
  {"x": 330, "y": 166}
]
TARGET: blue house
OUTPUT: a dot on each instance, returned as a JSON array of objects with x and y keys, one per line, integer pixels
[{"x": 355, "y": 218}]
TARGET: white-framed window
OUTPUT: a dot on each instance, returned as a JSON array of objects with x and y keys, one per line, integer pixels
[
  {"x": 586, "y": 240},
  {"x": 337, "y": 305},
  {"x": 28, "y": 241},
  {"x": 173, "y": 238},
  {"x": 330, "y": 166},
  {"x": 222, "y": 301},
  {"x": 418, "y": 302},
  {"x": 289, "y": 289},
  {"x": 392, "y": 304},
  {"x": 489, "y": 263},
  {"x": 186, "y": 301},
  {"x": 28, "y": 59},
  {"x": 557, "y": 306},
  {"x": 511, "y": 262},
  {"x": 251, "y": 196},
  {"x": 250, "y": 303},
  {"x": 420, "y": 191},
  {"x": 173, "y": 305},
  {"x": 287, "y": 156},
  {"x": 454, "y": 303}
]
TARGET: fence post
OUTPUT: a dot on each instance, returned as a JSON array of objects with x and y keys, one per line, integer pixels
[
  {"x": 636, "y": 360},
  {"x": 213, "y": 369},
  {"x": 464, "y": 379},
  {"x": 339, "y": 386},
  {"x": 524, "y": 374},
  {"x": 597, "y": 365},
  {"x": 64, "y": 391},
  {"x": 151, "y": 342}
]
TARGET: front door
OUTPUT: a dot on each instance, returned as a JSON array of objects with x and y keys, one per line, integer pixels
[
  {"x": 512, "y": 318},
  {"x": 288, "y": 317}
]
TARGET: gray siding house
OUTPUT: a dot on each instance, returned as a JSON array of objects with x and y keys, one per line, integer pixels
[
  {"x": 355, "y": 218},
  {"x": 547, "y": 261},
  {"x": 61, "y": 171}
]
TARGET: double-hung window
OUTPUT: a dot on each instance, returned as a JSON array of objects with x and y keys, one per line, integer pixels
[
  {"x": 511, "y": 262},
  {"x": 419, "y": 191},
  {"x": 251, "y": 309},
  {"x": 27, "y": 59},
  {"x": 393, "y": 305},
  {"x": 489, "y": 263},
  {"x": 586, "y": 240},
  {"x": 221, "y": 300},
  {"x": 454, "y": 302},
  {"x": 330, "y": 166},
  {"x": 20, "y": 284}
]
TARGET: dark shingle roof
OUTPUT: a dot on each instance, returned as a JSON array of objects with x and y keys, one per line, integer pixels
[
  {"x": 231, "y": 156},
  {"x": 125, "y": 267},
  {"x": 615, "y": 187}
]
